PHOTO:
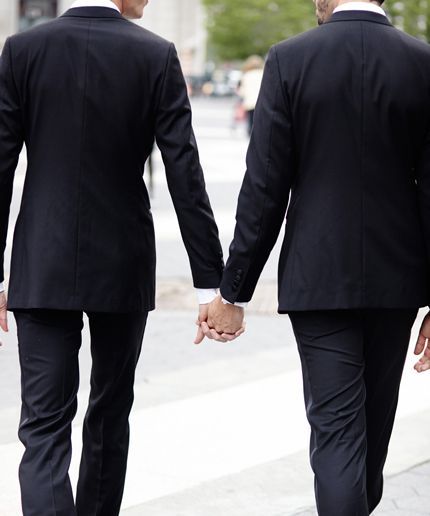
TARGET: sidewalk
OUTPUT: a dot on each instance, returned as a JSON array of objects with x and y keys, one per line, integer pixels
[
  {"x": 219, "y": 430},
  {"x": 406, "y": 494},
  {"x": 174, "y": 294}
]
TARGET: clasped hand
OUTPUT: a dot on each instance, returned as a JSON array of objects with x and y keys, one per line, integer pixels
[
  {"x": 423, "y": 346},
  {"x": 219, "y": 321},
  {"x": 3, "y": 312}
]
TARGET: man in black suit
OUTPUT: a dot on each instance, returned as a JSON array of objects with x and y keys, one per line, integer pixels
[
  {"x": 342, "y": 129},
  {"x": 87, "y": 93}
]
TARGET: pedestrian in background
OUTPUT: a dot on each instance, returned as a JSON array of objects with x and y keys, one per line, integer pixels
[
  {"x": 88, "y": 93},
  {"x": 250, "y": 86}
]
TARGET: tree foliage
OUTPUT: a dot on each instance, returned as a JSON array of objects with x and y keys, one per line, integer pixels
[
  {"x": 239, "y": 28},
  {"x": 412, "y": 16}
]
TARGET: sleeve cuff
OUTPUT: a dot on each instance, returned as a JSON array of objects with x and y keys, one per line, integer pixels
[
  {"x": 240, "y": 305},
  {"x": 2, "y": 287},
  {"x": 206, "y": 295}
]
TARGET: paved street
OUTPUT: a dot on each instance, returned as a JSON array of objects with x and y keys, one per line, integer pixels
[{"x": 219, "y": 430}]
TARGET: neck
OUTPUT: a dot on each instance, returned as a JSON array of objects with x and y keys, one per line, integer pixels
[{"x": 118, "y": 3}]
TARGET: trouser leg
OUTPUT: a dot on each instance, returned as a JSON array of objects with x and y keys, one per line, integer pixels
[
  {"x": 49, "y": 342},
  {"x": 116, "y": 341},
  {"x": 387, "y": 335},
  {"x": 331, "y": 347}
]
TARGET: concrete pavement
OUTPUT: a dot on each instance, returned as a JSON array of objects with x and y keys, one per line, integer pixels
[
  {"x": 219, "y": 429},
  {"x": 406, "y": 494}
]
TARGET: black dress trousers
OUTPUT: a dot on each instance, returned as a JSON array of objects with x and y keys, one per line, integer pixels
[
  {"x": 49, "y": 343},
  {"x": 352, "y": 362}
]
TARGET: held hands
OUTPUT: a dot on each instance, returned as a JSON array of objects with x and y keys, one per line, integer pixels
[
  {"x": 3, "y": 312},
  {"x": 219, "y": 321},
  {"x": 423, "y": 346}
]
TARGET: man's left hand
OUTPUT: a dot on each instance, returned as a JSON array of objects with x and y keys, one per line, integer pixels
[
  {"x": 423, "y": 346},
  {"x": 203, "y": 316},
  {"x": 3, "y": 312}
]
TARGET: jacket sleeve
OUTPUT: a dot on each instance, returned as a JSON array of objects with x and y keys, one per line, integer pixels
[
  {"x": 11, "y": 140},
  {"x": 175, "y": 138},
  {"x": 263, "y": 198}
]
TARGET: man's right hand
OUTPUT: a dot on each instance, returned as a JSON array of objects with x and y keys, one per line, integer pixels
[
  {"x": 225, "y": 322},
  {"x": 203, "y": 315},
  {"x": 3, "y": 312},
  {"x": 423, "y": 346},
  {"x": 220, "y": 322}
]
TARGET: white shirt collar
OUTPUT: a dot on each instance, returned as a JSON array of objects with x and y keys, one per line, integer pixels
[
  {"x": 360, "y": 6},
  {"x": 94, "y": 3}
]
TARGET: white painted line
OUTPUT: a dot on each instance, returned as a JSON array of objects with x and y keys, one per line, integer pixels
[{"x": 217, "y": 434}]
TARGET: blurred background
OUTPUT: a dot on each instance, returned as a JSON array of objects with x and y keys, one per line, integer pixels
[
  {"x": 217, "y": 430},
  {"x": 214, "y": 37}
]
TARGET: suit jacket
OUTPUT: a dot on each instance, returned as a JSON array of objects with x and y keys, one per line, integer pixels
[
  {"x": 87, "y": 93},
  {"x": 342, "y": 126}
]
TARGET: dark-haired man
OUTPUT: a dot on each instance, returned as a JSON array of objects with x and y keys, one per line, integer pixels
[{"x": 342, "y": 125}]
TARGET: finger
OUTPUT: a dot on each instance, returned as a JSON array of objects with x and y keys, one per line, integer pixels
[
  {"x": 240, "y": 332},
  {"x": 210, "y": 333},
  {"x": 206, "y": 330},
  {"x": 200, "y": 336},
  {"x": 228, "y": 337},
  {"x": 423, "y": 360},
  {"x": 421, "y": 342},
  {"x": 216, "y": 336},
  {"x": 3, "y": 321},
  {"x": 421, "y": 367}
]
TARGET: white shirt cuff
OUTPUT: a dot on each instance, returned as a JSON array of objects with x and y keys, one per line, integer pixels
[
  {"x": 2, "y": 287},
  {"x": 240, "y": 305},
  {"x": 206, "y": 295}
]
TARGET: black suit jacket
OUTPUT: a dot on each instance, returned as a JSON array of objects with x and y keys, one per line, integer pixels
[
  {"x": 343, "y": 125},
  {"x": 87, "y": 93}
]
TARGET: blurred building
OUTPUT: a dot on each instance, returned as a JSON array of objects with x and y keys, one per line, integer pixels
[{"x": 182, "y": 22}]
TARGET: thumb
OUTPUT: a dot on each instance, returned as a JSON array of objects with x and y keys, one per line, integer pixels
[
  {"x": 3, "y": 320},
  {"x": 200, "y": 336},
  {"x": 421, "y": 342}
]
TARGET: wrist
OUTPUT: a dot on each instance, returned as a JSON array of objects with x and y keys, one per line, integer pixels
[
  {"x": 206, "y": 295},
  {"x": 237, "y": 304}
]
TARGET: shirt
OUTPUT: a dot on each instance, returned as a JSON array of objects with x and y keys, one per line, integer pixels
[
  {"x": 94, "y": 3},
  {"x": 360, "y": 6}
]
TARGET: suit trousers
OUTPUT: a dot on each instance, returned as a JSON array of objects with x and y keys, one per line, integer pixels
[
  {"x": 49, "y": 343},
  {"x": 352, "y": 363}
]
